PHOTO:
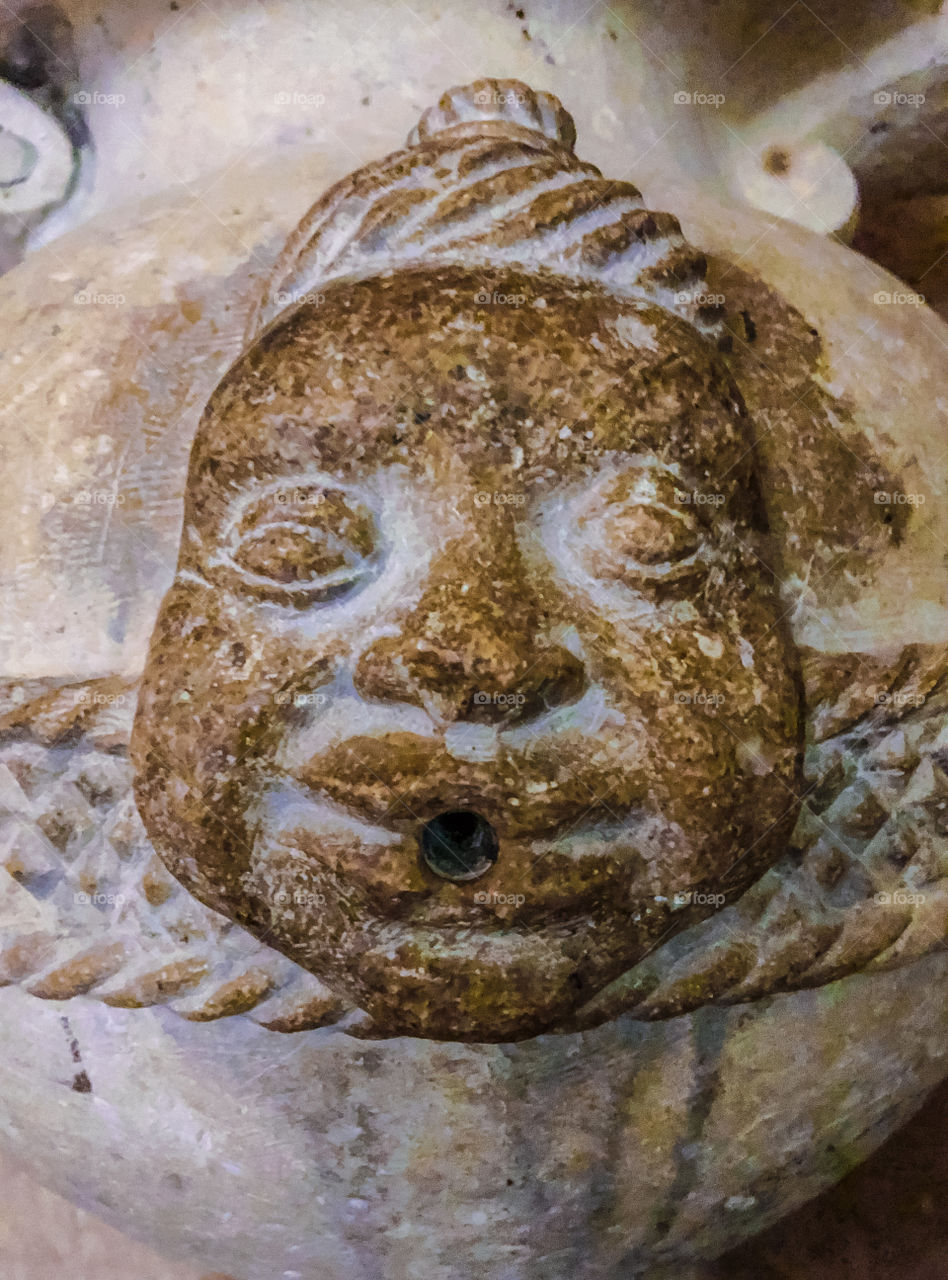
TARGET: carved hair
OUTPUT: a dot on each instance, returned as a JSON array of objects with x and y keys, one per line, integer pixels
[{"x": 489, "y": 178}]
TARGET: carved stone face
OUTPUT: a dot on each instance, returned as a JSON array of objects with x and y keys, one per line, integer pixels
[{"x": 448, "y": 554}]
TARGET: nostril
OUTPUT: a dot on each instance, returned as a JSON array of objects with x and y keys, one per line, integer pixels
[
  {"x": 547, "y": 685},
  {"x": 459, "y": 845},
  {"x": 564, "y": 687}
]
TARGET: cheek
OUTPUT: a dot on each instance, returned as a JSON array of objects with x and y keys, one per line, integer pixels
[
  {"x": 708, "y": 687},
  {"x": 218, "y": 692}
]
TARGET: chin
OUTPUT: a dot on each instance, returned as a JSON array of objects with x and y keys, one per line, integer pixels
[{"x": 474, "y": 985}]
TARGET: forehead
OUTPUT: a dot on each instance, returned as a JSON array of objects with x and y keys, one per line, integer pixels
[{"x": 495, "y": 370}]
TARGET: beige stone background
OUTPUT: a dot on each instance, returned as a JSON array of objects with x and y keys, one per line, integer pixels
[
  {"x": 43, "y": 1237},
  {"x": 885, "y": 1221}
]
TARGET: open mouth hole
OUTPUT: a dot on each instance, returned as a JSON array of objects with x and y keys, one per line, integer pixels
[{"x": 459, "y": 845}]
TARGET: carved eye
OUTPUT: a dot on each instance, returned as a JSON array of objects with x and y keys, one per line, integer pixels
[
  {"x": 650, "y": 536},
  {"x": 307, "y": 543},
  {"x": 639, "y": 526}
]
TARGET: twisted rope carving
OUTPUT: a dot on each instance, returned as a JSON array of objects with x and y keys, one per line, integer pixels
[
  {"x": 86, "y": 907},
  {"x": 489, "y": 178}
]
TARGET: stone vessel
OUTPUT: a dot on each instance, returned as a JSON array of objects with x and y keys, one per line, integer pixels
[{"x": 519, "y": 849}]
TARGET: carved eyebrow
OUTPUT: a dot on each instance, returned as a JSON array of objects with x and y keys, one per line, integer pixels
[
  {"x": 649, "y": 463},
  {"x": 257, "y": 489}
]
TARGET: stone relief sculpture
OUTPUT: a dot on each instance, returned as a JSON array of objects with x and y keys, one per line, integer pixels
[
  {"x": 446, "y": 556},
  {"x": 482, "y": 705}
]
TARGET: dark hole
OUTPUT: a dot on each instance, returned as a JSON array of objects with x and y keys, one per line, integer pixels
[
  {"x": 777, "y": 161},
  {"x": 459, "y": 845}
]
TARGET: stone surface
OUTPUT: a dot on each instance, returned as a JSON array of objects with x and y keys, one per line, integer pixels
[
  {"x": 253, "y": 1153},
  {"x": 43, "y": 1237},
  {"x": 883, "y": 1219},
  {"x": 338, "y": 79},
  {"x": 910, "y": 238},
  {"x": 581, "y": 890},
  {"x": 832, "y": 91},
  {"x": 688, "y": 1126}
]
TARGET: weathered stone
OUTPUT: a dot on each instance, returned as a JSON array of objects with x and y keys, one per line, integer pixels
[{"x": 499, "y": 512}]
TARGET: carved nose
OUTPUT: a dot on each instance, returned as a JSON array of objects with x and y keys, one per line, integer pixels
[
  {"x": 473, "y": 656},
  {"x": 479, "y": 678}
]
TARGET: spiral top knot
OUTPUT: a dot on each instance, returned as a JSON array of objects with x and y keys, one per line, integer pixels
[
  {"x": 507, "y": 100},
  {"x": 490, "y": 179}
]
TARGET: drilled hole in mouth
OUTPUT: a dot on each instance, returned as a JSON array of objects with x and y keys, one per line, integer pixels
[{"x": 459, "y": 845}]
